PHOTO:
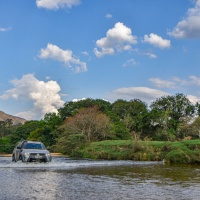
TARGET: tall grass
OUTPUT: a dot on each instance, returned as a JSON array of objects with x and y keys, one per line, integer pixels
[{"x": 137, "y": 150}]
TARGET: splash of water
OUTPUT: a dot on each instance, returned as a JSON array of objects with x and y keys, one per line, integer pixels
[{"x": 66, "y": 163}]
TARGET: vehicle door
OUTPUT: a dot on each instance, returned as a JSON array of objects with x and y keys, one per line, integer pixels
[{"x": 18, "y": 150}]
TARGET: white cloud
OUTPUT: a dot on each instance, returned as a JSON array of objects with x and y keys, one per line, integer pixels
[
  {"x": 175, "y": 82},
  {"x": 156, "y": 41},
  {"x": 66, "y": 56},
  {"x": 150, "y": 55},
  {"x": 144, "y": 93},
  {"x": 180, "y": 81},
  {"x": 44, "y": 95},
  {"x": 56, "y": 4},
  {"x": 76, "y": 100},
  {"x": 5, "y": 29},
  {"x": 29, "y": 115},
  {"x": 85, "y": 53},
  {"x": 118, "y": 39},
  {"x": 162, "y": 83},
  {"x": 130, "y": 62},
  {"x": 189, "y": 27},
  {"x": 195, "y": 80},
  {"x": 193, "y": 99},
  {"x": 108, "y": 15},
  {"x": 145, "y": 53}
]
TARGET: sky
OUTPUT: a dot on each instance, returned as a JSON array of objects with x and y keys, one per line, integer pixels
[{"x": 55, "y": 51}]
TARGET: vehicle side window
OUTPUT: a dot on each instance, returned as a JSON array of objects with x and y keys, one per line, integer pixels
[
  {"x": 23, "y": 144},
  {"x": 19, "y": 144}
]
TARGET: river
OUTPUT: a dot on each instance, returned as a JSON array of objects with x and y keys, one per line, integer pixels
[{"x": 68, "y": 179}]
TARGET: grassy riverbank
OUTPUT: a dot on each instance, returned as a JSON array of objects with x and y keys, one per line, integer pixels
[{"x": 185, "y": 152}]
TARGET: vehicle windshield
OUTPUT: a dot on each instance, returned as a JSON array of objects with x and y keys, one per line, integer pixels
[{"x": 34, "y": 146}]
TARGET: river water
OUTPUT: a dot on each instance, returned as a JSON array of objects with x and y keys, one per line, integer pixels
[{"x": 67, "y": 179}]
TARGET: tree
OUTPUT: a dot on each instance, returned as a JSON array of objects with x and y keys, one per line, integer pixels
[
  {"x": 71, "y": 108},
  {"x": 2, "y": 128},
  {"x": 90, "y": 122},
  {"x": 132, "y": 113},
  {"x": 22, "y": 132},
  {"x": 43, "y": 134},
  {"x": 5, "y": 127},
  {"x": 169, "y": 112},
  {"x": 195, "y": 128},
  {"x": 52, "y": 119},
  {"x": 191, "y": 130}
]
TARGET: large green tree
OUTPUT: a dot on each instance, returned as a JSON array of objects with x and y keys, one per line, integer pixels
[
  {"x": 43, "y": 134},
  {"x": 133, "y": 114},
  {"x": 23, "y": 131},
  {"x": 72, "y": 107},
  {"x": 168, "y": 113},
  {"x": 190, "y": 130}
]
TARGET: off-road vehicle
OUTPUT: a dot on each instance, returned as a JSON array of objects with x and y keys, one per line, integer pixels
[{"x": 29, "y": 151}]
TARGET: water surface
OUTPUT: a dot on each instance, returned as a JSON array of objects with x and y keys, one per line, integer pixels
[{"x": 69, "y": 179}]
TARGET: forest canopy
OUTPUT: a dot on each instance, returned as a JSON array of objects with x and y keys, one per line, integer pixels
[{"x": 169, "y": 118}]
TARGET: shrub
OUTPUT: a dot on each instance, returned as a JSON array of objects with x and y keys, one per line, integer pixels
[
  {"x": 178, "y": 156},
  {"x": 5, "y": 146}
]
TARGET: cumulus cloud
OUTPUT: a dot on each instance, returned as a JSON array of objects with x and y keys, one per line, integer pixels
[
  {"x": 156, "y": 41},
  {"x": 193, "y": 99},
  {"x": 76, "y": 100},
  {"x": 117, "y": 39},
  {"x": 162, "y": 83},
  {"x": 29, "y": 115},
  {"x": 44, "y": 95},
  {"x": 56, "y": 4},
  {"x": 66, "y": 56},
  {"x": 5, "y": 29},
  {"x": 189, "y": 27},
  {"x": 144, "y": 93}
]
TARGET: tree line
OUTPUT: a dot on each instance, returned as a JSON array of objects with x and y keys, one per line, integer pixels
[{"x": 76, "y": 124}]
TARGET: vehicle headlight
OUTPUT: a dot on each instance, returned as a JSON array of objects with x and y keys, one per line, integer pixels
[
  {"x": 48, "y": 155},
  {"x": 26, "y": 154}
]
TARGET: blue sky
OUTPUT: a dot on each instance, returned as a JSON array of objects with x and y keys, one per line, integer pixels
[{"x": 54, "y": 51}]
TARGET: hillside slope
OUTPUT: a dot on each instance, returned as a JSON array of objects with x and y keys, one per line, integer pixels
[{"x": 15, "y": 120}]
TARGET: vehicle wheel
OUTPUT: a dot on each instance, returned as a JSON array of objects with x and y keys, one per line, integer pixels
[
  {"x": 23, "y": 160},
  {"x": 13, "y": 158}
]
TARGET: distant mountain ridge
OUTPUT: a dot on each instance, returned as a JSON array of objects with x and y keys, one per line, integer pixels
[{"x": 15, "y": 120}]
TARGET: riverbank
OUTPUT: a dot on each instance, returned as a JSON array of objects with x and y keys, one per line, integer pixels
[{"x": 181, "y": 152}]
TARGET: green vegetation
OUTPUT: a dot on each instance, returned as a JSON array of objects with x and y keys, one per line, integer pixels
[
  {"x": 5, "y": 146},
  {"x": 167, "y": 129},
  {"x": 187, "y": 152}
]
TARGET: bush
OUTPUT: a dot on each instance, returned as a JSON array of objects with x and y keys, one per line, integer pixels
[
  {"x": 67, "y": 145},
  {"x": 178, "y": 156},
  {"x": 5, "y": 146}
]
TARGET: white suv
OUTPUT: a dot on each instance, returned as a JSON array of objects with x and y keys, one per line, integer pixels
[{"x": 29, "y": 151}]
